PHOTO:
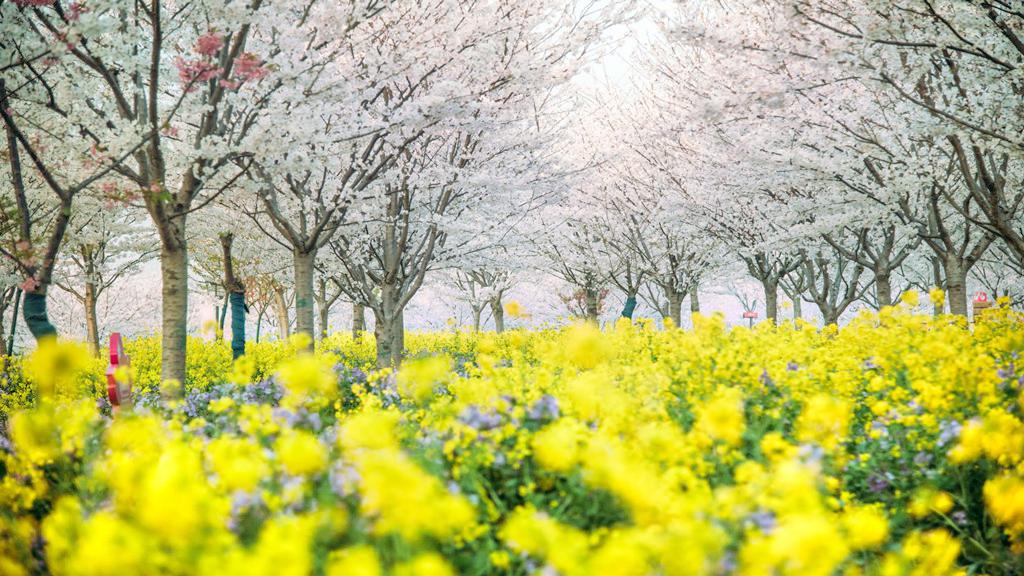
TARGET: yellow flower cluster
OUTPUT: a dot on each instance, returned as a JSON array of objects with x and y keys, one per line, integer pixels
[{"x": 891, "y": 446}]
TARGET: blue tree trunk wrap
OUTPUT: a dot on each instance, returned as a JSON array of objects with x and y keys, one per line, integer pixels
[
  {"x": 36, "y": 318},
  {"x": 237, "y": 300},
  {"x": 627, "y": 310}
]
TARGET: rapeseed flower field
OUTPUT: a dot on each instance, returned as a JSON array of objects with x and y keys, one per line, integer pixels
[{"x": 891, "y": 446}]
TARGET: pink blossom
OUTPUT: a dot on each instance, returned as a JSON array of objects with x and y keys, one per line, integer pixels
[
  {"x": 155, "y": 187},
  {"x": 29, "y": 285},
  {"x": 109, "y": 187},
  {"x": 248, "y": 66},
  {"x": 191, "y": 71},
  {"x": 208, "y": 44},
  {"x": 228, "y": 84},
  {"x": 22, "y": 246},
  {"x": 63, "y": 37},
  {"x": 75, "y": 11}
]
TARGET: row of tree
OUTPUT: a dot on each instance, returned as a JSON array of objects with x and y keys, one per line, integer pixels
[
  {"x": 371, "y": 128},
  {"x": 840, "y": 151},
  {"x": 294, "y": 156}
]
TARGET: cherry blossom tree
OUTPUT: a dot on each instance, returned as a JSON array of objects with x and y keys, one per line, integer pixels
[
  {"x": 174, "y": 98},
  {"x": 106, "y": 243}
]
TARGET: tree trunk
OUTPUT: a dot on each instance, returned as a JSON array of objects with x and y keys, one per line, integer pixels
[
  {"x": 92, "y": 331},
  {"x": 304, "y": 293},
  {"x": 771, "y": 299},
  {"x": 36, "y": 317},
  {"x": 223, "y": 315},
  {"x": 956, "y": 285},
  {"x": 675, "y": 307},
  {"x": 259, "y": 324},
  {"x": 629, "y": 306},
  {"x": 358, "y": 320},
  {"x": 322, "y": 322},
  {"x": 174, "y": 270},
  {"x": 281, "y": 310},
  {"x": 798, "y": 308},
  {"x": 498, "y": 312},
  {"x": 883, "y": 287},
  {"x": 477, "y": 312},
  {"x": 830, "y": 316},
  {"x": 389, "y": 329},
  {"x": 694, "y": 302},
  {"x": 14, "y": 321},
  {"x": 236, "y": 298},
  {"x": 382, "y": 337},
  {"x": 323, "y": 311},
  {"x": 398, "y": 337},
  {"x": 238, "y": 324},
  {"x": 937, "y": 310},
  {"x": 591, "y": 304}
]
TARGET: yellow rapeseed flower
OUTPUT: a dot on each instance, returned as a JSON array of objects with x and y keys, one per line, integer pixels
[
  {"x": 557, "y": 446},
  {"x": 360, "y": 560},
  {"x": 721, "y": 418},
  {"x": 300, "y": 452},
  {"x": 58, "y": 367},
  {"x": 425, "y": 564}
]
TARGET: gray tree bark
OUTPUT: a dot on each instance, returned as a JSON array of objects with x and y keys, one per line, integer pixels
[
  {"x": 304, "y": 317},
  {"x": 592, "y": 305},
  {"x": 322, "y": 324},
  {"x": 675, "y": 307},
  {"x": 174, "y": 271},
  {"x": 389, "y": 330},
  {"x": 358, "y": 320},
  {"x": 477, "y": 313},
  {"x": 956, "y": 285},
  {"x": 883, "y": 286},
  {"x": 771, "y": 298},
  {"x": 498, "y": 312},
  {"x": 92, "y": 331},
  {"x": 281, "y": 310}
]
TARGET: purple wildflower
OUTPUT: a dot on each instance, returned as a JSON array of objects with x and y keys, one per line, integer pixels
[
  {"x": 811, "y": 453},
  {"x": 764, "y": 520},
  {"x": 545, "y": 408},
  {"x": 878, "y": 483},
  {"x": 473, "y": 417},
  {"x": 949, "y": 430}
]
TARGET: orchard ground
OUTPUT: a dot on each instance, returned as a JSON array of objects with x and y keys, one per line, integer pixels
[{"x": 893, "y": 445}]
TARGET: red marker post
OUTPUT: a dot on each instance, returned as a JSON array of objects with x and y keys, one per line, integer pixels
[
  {"x": 119, "y": 392},
  {"x": 750, "y": 315},
  {"x": 981, "y": 303}
]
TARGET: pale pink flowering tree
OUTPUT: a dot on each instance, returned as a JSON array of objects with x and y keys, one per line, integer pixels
[{"x": 172, "y": 99}]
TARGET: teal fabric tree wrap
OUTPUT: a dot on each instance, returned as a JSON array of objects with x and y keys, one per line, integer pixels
[
  {"x": 36, "y": 318},
  {"x": 627, "y": 310},
  {"x": 237, "y": 300}
]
